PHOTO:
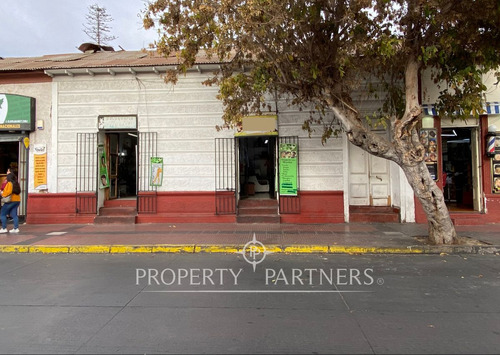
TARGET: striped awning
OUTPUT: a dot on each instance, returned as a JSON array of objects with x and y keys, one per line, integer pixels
[
  {"x": 491, "y": 108},
  {"x": 429, "y": 110}
]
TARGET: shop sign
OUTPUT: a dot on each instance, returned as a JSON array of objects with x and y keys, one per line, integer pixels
[
  {"x": 156, "y": 171},
  {"x": 288, "y": 169},
  {"x": 103, "y": 168},
  {"x": 17, "y": 113},
  {"x": 496, "y": 167},
  {"x": 428, "y": 138},
  {"x": 117, "y": 122},
  {"x": 40, "y": 169},
  {"x": 265, "y": 125}
]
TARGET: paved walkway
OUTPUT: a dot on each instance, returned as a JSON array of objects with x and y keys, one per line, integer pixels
[{"x": 327, "y": 238}]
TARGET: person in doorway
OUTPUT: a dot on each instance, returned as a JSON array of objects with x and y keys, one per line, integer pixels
[
  {"x": 3, "y": 187},
  {"x": 11, "y": 206},
  {"x": 5, "y": 181}
]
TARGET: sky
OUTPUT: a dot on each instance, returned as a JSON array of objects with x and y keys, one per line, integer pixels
[{"x": 32, "y": 28}]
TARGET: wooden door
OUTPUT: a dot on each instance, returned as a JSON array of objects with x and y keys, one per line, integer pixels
[{"x": 369, "y": 179}]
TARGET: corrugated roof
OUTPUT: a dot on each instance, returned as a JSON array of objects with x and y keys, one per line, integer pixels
[{"x": 96, "y": 60}]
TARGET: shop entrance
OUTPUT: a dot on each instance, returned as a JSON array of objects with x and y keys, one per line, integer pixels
[
  {"x": 13, "y": 156},
  {"x": 257, "y": 167},
  {"x": 9, "y": 157},
  {"x": 459, "y": 157},
  {"x": 122, "y": 158}
]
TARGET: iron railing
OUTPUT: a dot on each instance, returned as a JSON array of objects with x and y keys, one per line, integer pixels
[
  {"x": 225, "y": 176},
  {"x": 86, "y": 173}
]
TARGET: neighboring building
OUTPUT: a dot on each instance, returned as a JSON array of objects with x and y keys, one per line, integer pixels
[
  {"x": 116, "y": 136},
  {"x": 463, "y": 168}
]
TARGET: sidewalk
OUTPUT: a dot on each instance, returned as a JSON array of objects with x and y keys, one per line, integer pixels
[{"x": 351, "y": 238}]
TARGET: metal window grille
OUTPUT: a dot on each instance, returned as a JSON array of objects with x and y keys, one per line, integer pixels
[
  {"x": 146, "y": 194},
  {"x": 291, "y": 204},
  {"x": 86, "y": 173},
  {"x": 225, "y": 176}
]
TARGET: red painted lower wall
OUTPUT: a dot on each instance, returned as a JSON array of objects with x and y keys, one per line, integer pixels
[
  {"x": 184, "y": 207},
  {"x": 318, "y": 207},
  {"x": 491, "y": 216},
  {"x": 55, "y": 209}
]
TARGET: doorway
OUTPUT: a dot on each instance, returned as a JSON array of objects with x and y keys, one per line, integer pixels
[
  {"x": 459, "y": 158},
  {"x": 13, "y": 156},
  {"x": 257, "y": 167},
  {"x": 122, "y": 158},
  {"x": 369, "y": 179}
]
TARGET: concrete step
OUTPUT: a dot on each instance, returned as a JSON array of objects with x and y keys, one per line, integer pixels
[
  {"x": 257, "y": 203},
  {"x": 373, "y": 209},
  {"x": 120, "y": 203},
  {"x": 118, "y": 211},
  {"x": 258, "y": 218},
  {"x": 116, "y": 214},
  {"x": 258, "y": 210},
  {"x": 465, "y": 221},
  {"x": 114, "y": 220},
  {"x": 371, "y": 214}
]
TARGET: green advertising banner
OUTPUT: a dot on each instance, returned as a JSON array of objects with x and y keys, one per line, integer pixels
[
  {"x": 288, "y": 169},
  {"x": 17, "y": 113},
  {"x": 103, "y": 168},
  {"x": 156, "y": 171}
]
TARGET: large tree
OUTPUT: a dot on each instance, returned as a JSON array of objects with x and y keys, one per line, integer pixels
[{"x": 321, "y": 51}]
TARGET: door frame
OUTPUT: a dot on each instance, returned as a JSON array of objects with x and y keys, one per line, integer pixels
[
  {"x": 273, "y": 144},
  {"x": 112, "y": 192},
  {"x": 370, "y": 177},
  {"x": 475, "y": 163}
]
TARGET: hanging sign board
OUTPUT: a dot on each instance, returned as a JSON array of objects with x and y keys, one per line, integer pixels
[
  {"x": 288, "y": 169},
  {"x": 17, "y": 113},
  {"x": 103, "y": 168},
  {"x": 156, "y": 171},
  {"x": 117, "y": 122},
  {"x": 496, "y": 167},
  {"x": 40, "y": 166},
  {"x": 428, "y": 138},
  {"x": 265, "y": 125}
]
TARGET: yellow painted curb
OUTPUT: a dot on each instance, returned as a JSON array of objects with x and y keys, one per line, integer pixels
[
  {"x": 14, "y": 249},
  {"x": 216, "y": 249},
  {"x": 273, "y": 249},
  {"x": 173, "y": 249},
  {"x": 125, "y": 249},
  {"x": 336, "y": 249},
  {"x": 186, "y": 248},
  {"x": 48, "y": 249},
  {"x": 306, "y": 249},
  {"x": 89, "y": 249}
]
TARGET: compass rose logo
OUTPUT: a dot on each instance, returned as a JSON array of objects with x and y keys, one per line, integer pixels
[{"x": 254, "y": 252}]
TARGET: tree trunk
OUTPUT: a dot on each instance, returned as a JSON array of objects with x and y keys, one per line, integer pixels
[{"x": 441, "y": 228}]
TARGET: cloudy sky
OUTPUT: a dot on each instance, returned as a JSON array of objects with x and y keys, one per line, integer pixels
[{"x": 30, "y": 28}]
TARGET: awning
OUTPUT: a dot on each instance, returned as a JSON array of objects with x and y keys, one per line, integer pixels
[
  {"x": 490, "y": 108},
  {"x": 493, "y": 107}
]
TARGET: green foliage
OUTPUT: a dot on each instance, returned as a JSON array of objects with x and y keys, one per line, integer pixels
[{"x": 318, "y": 51}]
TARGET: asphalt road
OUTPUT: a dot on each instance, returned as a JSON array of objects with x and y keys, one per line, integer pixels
[{"x": 215, "y": 303}]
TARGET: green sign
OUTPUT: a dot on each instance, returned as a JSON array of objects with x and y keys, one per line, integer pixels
[
  {"x": 17, "y": 113},
  {"x": 156, "y": 171},
  {"x": 288, "y": 169},
  {"x": 103, "y": 168}
]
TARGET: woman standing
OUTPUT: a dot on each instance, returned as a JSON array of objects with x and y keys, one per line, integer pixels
[{"x": 11, "y": 206}]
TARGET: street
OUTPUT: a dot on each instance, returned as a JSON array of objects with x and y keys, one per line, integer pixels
[{"x": 229, "y": 303}]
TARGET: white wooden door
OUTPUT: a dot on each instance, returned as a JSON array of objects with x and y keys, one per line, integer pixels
[{"x": 369, "y": 179}]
